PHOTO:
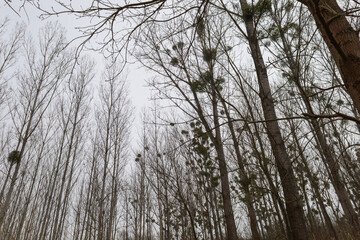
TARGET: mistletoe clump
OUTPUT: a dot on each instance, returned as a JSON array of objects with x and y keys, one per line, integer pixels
[{"x": 14, "y": 157}]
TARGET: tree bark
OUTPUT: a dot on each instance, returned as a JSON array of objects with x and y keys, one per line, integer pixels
[
  {"x": 283, "y": 163},
  {"x": 245, "y": 181},
  {"x": 342, "y": 41},
  {"x": 325, "y": 150},
  {"x": 224, "y": 175},
  {"x": 314, "y": 185}
]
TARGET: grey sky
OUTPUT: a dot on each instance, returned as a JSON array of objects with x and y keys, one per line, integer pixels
[{"x": 136, "y": 75}]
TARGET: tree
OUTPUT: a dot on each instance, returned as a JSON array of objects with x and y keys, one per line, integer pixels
[
  {"x": 262, "y": 146},
  {"x": 342, "y": 40},
  {"x": 9, "y": 48},
  {"x": 113, "y": 120},
  {"x": 296, "y": 72},
  {"x": 38, "y": 86},
  {"x": 291, "y": 192},
  {"x": 107, "y": 159},
  {"x": 197, "y": 85}
]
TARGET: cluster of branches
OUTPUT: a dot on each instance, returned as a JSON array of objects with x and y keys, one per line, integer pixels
[
  {"x": 63, "y": 156},
  {"x": 279, "y": 149},
  {"x": 269, "y": 148},
  {"x": 338, "y": 24}
]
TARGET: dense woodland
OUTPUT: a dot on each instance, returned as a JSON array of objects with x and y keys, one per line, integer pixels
[{"x": 253, "y": 132}]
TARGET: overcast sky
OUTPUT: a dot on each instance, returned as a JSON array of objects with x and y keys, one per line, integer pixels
[{"x": 136, "y": 76}]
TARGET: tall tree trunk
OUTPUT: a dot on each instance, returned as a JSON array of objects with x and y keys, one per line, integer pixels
[
  {"x": 244, "y": 178},
  {"x": 14, "y": 211},
  {"x": 51, "y": 186},
  {"x": 5, "y": 182},
  {"x": 314, "y": 185},
  {"x": 72, "y": 136},
  {"x": 224, "y": 175},
  {"x": 5, "y": 206},
  {"x": 334, "y": 168},
  {"x": 324, "y": 148},
  {"x": 260, "y": 154},
  {"x": 30, "y": 191},
  {"x": 342, "y": 41},
  {"x": 283, "y": 163}
]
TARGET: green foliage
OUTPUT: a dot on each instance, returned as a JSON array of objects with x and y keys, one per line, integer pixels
[
  {"x": 205, "y": 173},
  {"x": 14, "y": 157},
  {"x": 202, "y": 164},
  {"x": 184, "y": 132},
  {"x": 174, "y": 61},
  {"x": 137, "y": 159},
  {"x": 215, "y": 181},
  {"x": 199, "y": 134},
  {"x": 247, "y": 12},
  {"x": 201, "y": 150},
  {"x": 209, "y": 54},
  {"x": 316, "y": 212},
  {"x": 288, "y": 6},
  {"x": 245, "y": 181},
  {"x": 219, "y": 82},
  {"x": 180, "y": 45},
  {"x": 339, "y": 102},
  {"x": 206, "y": 81},
  {"x": 206, "y": 77},
  {"x": 262, "y": 6},
  {"x": 257, "y": 10},
  {"x": 274, "y": 31},
  {"x": 200, "y": 26},
  {"x": 198, "y": 86}
]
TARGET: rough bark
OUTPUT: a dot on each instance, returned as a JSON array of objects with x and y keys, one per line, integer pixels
[
  {"x": 283, "y": 163},
  {"x": 324, "y": 148},
  {"x": 342, "y": 41}
]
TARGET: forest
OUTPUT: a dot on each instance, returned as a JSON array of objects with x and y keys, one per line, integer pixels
[{"x": 253, "y": 130}]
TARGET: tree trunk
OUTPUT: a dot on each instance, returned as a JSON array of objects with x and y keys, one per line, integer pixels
[
  {"x": 245, "y": 181},
  {"x": 224, "y": 175},
  {"x": 5, "y": 206},
  {"x": 342, "y": 41},
  {"x": 325, "y": 150},
  {"x": 261, "y": 156},
  {"x": 314, "y": 185},
  {"x": 28, "y": 197},
  {"x": 283, "y": 163}
]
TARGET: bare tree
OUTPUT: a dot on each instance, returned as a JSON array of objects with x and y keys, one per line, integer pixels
[
  {"x": 261, "y": 148},
  {"x": 108, "y": 159},
  {"x": 37, "y": 87},
  {"x": 342, "y": 40},
  {"x": 9, "y": 50},
  {"x": 291, "y": 193}
]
